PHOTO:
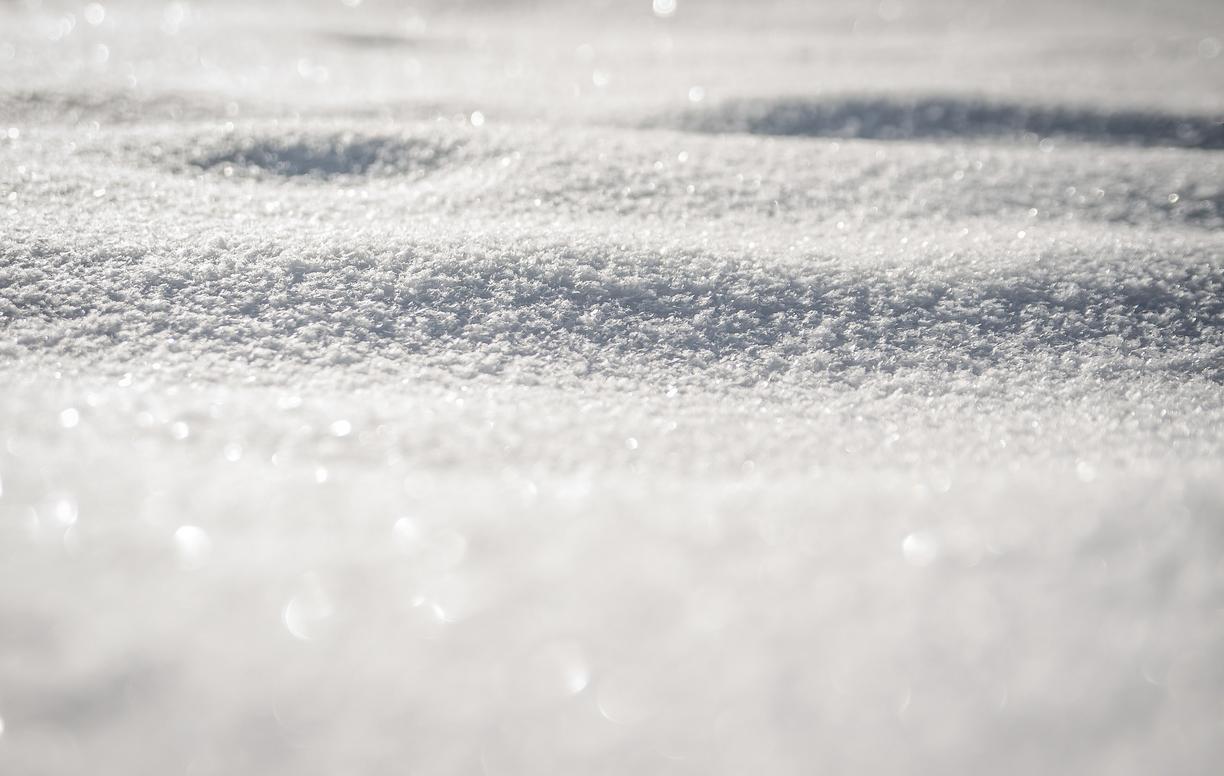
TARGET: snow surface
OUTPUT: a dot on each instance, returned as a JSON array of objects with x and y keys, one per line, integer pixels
[{"x": 533, "y": 387}]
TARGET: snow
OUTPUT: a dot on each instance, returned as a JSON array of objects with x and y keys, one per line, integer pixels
[{"x": 693, "y": 387}]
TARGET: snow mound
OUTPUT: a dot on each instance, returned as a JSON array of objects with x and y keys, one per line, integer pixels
[{"x": 910, "y": 118}]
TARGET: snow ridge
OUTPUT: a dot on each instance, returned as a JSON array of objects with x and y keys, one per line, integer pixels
[{"x": 334, "y": 300}]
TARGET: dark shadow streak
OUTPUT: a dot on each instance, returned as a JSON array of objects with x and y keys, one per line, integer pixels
[
  {"x": 330, "y": 156},
  {"x": 882, "y": 118}
]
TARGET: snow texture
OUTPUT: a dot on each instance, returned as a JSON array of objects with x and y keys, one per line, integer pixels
[{"x": 607, "y": 388}]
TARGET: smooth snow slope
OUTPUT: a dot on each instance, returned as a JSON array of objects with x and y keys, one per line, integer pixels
[{"x": 533, "y": 387}]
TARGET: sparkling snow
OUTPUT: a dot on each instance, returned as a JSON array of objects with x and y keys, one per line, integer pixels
[{"x": 611, "y": 387}]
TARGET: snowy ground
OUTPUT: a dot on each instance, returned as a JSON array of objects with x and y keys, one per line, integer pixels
[{"x": 593, "y": 388}]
